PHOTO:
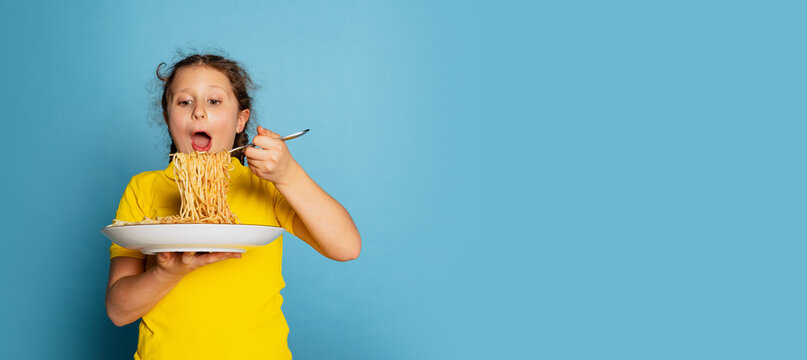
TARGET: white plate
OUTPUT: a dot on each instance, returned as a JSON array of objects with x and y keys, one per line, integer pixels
[{"x": 153, "y": 238}]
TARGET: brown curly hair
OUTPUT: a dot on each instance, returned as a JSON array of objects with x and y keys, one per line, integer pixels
[{"x": 239, "y": 79}]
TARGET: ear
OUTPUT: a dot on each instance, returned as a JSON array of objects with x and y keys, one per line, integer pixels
[{"x": 243, "y": 117}]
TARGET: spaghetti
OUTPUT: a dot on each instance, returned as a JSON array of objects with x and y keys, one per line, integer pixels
[{"x": 203, "y": 180}]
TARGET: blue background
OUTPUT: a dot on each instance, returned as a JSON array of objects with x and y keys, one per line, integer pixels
[{"x": 619, "y": 180}]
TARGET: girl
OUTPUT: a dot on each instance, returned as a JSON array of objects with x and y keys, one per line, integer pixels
[{"x": 220, "y": 305}]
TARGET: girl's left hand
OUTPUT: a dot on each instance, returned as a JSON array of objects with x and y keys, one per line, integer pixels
[{"x": 273, "y": 161}]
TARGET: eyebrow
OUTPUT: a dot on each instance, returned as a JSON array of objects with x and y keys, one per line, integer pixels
[{"x": 215, "y": 86}]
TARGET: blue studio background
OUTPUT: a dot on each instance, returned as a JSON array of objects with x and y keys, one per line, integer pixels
[{"x": 558, "y": 180}]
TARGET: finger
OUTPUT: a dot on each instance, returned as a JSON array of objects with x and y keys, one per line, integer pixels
[
  {"x": 266, "y": 142},
  {"x": 251, "y": 153},
  {"x": 229, "y": 255},
  {"x": 163, "y": 257},
  {"x": 205, "y": 259},
  {"x": 218, "y": 256},
  {"x": 187, "y": 257},
  {"x": 256, "y": 171},
  {"x": 264, "y": 131},
  {"x": 254, "y": 154}
]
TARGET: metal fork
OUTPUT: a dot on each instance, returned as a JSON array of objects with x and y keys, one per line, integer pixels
[{"x": 287, "y": 137}]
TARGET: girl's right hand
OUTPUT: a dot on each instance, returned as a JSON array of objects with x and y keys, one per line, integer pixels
[{"x": 179, "y": 264}]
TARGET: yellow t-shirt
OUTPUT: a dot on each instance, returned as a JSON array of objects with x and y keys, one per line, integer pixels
[{"x": 226, "y": 310}]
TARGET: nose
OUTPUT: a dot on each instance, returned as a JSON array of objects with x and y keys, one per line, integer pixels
[{"x": 199, "y": 112}]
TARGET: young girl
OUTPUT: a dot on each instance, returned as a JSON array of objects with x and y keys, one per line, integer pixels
[{"x": 220, "y": 305}]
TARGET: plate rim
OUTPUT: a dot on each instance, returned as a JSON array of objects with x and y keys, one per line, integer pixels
[
  {"x": 113, "y": 231},
  {"x": 110, "y": 227}
]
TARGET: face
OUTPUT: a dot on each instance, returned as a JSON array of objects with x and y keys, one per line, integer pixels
[{"x": 202, "y": 111}]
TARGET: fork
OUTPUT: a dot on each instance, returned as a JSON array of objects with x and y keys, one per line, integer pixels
[{"x": 287, "y": 137}]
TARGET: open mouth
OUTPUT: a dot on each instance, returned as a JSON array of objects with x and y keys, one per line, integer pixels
[{"x": 201, "y": 141}]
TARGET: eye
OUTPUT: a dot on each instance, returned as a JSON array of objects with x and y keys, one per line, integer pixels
[
  {"x": 185, "y": 102},
  {"x": 214, "y": 101}
]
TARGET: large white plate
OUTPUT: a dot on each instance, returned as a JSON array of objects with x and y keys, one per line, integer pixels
[{"x": 153, "y": 238}]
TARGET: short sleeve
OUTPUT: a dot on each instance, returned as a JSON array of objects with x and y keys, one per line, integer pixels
[
  {"x": 129, "y": 209},
  {"x": 283, "y": 210}
]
